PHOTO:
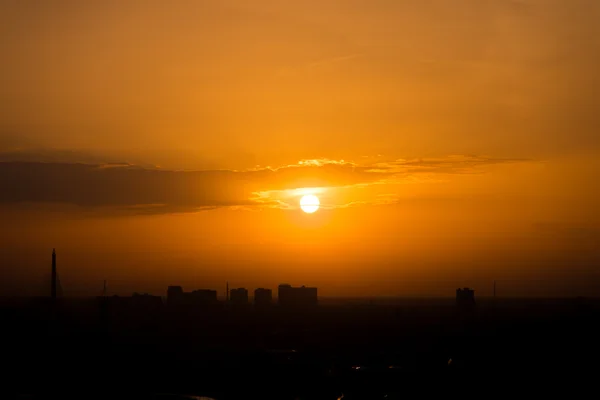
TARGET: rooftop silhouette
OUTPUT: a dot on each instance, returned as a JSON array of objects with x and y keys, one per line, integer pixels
[
  {"x": 238, "y": 296},
  {"x": 303, "y": 296}
]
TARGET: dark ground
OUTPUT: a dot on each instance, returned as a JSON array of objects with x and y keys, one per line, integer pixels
[{"x": 76, "y": 349}]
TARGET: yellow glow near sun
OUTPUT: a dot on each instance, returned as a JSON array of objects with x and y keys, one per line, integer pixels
[{"x": 309, "y": 203}]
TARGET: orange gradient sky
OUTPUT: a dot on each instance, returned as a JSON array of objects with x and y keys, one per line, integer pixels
[{"x": 451, "y": 143}]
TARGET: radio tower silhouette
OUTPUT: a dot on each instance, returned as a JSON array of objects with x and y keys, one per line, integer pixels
[{"x": 54, "y": 279}]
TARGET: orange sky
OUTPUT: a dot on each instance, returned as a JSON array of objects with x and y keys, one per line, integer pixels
[{"x": 450, "y": 144}]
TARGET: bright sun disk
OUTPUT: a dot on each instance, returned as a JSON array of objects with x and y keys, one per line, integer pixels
[{"x": 309, "y": 203}]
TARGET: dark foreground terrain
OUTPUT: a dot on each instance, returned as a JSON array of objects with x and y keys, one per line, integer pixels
[{"x": 406, "y": 349}]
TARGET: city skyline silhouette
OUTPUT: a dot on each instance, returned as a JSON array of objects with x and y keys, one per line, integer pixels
[
  {"x": 299, "y": 199},
  {"x": 447, "y": 145}
]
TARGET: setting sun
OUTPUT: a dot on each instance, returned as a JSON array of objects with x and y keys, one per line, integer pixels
[{"x": 309, "y": 203}]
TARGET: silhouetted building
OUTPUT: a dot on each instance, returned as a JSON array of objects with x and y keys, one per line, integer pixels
[
  {"x": 303, "y": 296},
  {"x": 174, "y": 295},
  {"x": 263, "y": 297},
  {"x": 238, "y": 296},
  {"x": 465, "y": 298},
  {"x": 54, "y": 277}
]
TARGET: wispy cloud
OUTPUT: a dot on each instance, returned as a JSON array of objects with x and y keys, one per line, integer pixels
[
  {"x": 453, "y": 164},
  {"x": 389, "y": 174},
  {"x": 129, "y": 189}
]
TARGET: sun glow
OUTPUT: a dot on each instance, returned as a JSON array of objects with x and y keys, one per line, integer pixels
[{"x": 309, "y": 203}]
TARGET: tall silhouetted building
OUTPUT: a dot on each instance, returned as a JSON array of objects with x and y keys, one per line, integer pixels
[
  {"x": 263, "y": 297},
  {"x": 54, "y": 277},
  {"x": 303, "y": 296},
  {"x": 465, "y": 298},
  {"x": 238, "y": 296}
]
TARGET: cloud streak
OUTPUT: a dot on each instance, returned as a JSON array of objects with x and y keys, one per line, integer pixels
[
  {"x": 453, "y": 164},
  {"x": 128, "y": 189}
]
